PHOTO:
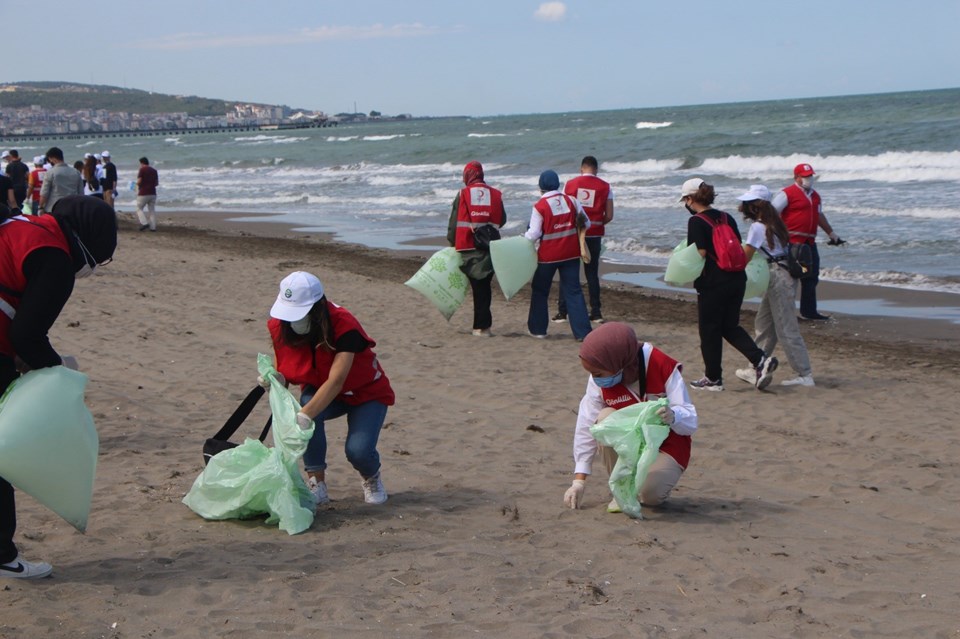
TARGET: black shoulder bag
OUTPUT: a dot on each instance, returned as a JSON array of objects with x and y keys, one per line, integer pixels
[{"x": 219, "y": 442}]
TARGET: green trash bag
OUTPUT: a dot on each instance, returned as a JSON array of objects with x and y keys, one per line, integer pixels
[
  {"x": 441, "y": 281},
  {"x": 636, "y": 433},
  {"x": 685, "y": 265},
  {"x": 27, "y": 208},
  {"x": 758, "y": 276},
  {"x": 514, "y": 262},
  {"x": 252, "y": 480},
  {"x": 48, "y": 443}
]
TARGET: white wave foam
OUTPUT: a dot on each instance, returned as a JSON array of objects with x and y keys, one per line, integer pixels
[
  {"x": 487, "y": 135},
  {"x": 383, "y": 138},
  {"x": 895, "y": 279},
  {"x": 652, "y": 125},
  {"x": 893, "y": 166}
]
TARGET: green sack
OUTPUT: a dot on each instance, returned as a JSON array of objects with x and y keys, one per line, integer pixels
[
  {"x": 27, "y": 208},
  {"x": 514, "y": 262},
  {"x": 441, "y": 281},
  {"x": 685, "y": 265},
  {"x": 252, "y": 479},
  {"x": 758, "y": 276},
  {"x": 636, "y": 433},
  {"x": 48, "y": 443}
]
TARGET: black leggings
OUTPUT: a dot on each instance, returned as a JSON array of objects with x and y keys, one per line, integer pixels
[
  {"x": 8, "y": 504},
  {"x": 718, "y": 312}
]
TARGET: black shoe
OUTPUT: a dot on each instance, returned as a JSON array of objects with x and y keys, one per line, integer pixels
[
  {"x": 596, "y": 317},
  {"x": 559, "y": 317},
  {"x": 815, "y": 317},
  {"x": 144, "y": 227}
]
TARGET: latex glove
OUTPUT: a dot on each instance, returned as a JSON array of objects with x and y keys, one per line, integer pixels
[
  {"x": 265, "y": 383},
  {"x": 70, "y": 362},
  {"x": 304, "y": 421},
  {"x": 667, "y": 415},
  {"x": 574, "y": 494},
  {"x": 835, "y": 240}
]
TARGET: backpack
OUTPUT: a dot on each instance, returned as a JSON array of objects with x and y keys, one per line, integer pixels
[
  {"x": 729, "y": 252},
  {"x": 483, "y": 235}
]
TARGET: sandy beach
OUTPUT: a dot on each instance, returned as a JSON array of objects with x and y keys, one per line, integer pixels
[{"x": 805, "y": 512}]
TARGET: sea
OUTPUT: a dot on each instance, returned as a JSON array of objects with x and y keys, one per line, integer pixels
[{"x": 888, "y": 171}]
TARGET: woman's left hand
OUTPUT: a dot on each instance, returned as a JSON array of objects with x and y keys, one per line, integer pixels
[{"x": 667, "y": 415}]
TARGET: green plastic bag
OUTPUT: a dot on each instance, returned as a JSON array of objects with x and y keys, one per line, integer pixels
[
  {"x": 27, "y": 208},
  {"x": 441, "y": 281},
  {"x": 252, "y": 479},
  {"x": 758, "y": 276},
  {"x": 636, "y": 433},
  {"x": 48, "y": 443},
  {"x": 685, "y": 265},
  {"x": 514, "y": 262}
]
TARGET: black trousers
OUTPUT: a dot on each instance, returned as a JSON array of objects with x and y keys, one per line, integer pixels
[
  {"x": 718, "y": 312},
  {"x": 8, "y": 504},
  {"x": 482, "y": 297}
]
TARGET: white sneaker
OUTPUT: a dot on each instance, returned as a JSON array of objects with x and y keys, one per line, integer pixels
[
  {"x": 319, "y": 491},
  {"x": 613, "y": 507},
  {"x": 482, "y": 332},
  {"x": 373, "y": 490},
  {"x": 537, "y": 336},
  {"x": 802, "y": 380},
  {"x": 19, "y": 569},
  {"x": 749, "y": 375}
]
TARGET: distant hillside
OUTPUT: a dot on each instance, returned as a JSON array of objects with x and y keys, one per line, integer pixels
[{"x": 71, "y": 96}]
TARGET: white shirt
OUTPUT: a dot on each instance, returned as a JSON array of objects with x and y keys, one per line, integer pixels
[
  {"x": 535, "y": 230},
  {"x": 757, "y": 238}
]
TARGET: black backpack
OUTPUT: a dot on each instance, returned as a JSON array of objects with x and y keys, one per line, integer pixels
[{"x": 483, "y": 235}]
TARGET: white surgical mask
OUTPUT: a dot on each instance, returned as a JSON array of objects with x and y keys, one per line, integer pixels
[
  {"x": 85, "y": 271},
  {"x": 301, "y": 326},
  {"x": 806, "y": 182}
]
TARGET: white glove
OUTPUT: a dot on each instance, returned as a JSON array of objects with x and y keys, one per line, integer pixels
[
  {"x": 70, "y": 362},
  {"x": 265, "y": 383},
  {"x": 574, "y": 494},
  {"x": 667, "y": 415},
  {"x": 304, "y": 421}
]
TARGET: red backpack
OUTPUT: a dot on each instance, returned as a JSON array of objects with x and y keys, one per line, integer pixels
[{"x": 729, "y": 252}]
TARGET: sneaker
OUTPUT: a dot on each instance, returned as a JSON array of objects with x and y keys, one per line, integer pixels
[
  {"x": 765, "y": 372},
  {"x": 707, "y": 384},
  {"x": 559, "y": 317},
  {"x": 597, "y": 317},
  {"x": 537, "y": 336},
  {"x": 815, "y": 317},
  {"x": 144, "y": 227},
  {"x": 613, "y": 507},
  {"x": 319, "y": 490},
  {"x": 373, "y": 490},
  {"x": 749, "y": 375},
  {"x": 19, "y": 569},
  {"x": 801, "y": 380},
  {"x": 482, "y": 332}
]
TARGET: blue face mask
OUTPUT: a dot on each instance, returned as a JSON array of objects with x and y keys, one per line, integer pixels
[{"x": 607, "y": 382}]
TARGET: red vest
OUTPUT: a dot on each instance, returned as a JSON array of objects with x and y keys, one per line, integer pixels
[
  {"x": 20, "y": 236},
  {"x": 801, "y": 215},
  {"x": 479, "y": 204},
  {"x": 559, "y": 242},
  {"x": 304, "y": 365},
  {"x": 593, "y": 194},
  {"x": 37, "y": 175},
  {"x": 659, "y": 369}
]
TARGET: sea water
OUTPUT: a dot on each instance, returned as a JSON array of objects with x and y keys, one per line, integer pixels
[{"x": 888, "y": 171}]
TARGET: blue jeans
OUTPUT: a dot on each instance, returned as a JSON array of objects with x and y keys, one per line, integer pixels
[
  {"x": 538, "y": 318},
  {"x": 363, "y": 429},
  {"x": 808, "y": 286}
]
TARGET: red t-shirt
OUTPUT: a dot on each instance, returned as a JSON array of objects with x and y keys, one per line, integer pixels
[{"x": 148, "y": 180}]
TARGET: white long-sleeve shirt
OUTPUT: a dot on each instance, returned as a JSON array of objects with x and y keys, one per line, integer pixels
[
  {"x": 585, "y": 446},
  {"x": 535, "y": 229}
]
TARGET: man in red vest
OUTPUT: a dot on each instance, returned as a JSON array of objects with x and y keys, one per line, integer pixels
[
  {"x": 799, "y": 206},
  {"x": 596, "y": 196}
]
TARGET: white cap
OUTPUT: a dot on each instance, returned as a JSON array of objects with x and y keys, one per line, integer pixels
[
  {"x": 299, "y": 291},
  {"x": 38, "y": 160},
  {"x": 690, "y": 187},
  {"x": 87, "y": 155},
  {"x": 5, "y": 154},
  {"x": 756, "y": 192},
  {"x": 105, "y": 154},
  {"x": 96, "y": 155}
]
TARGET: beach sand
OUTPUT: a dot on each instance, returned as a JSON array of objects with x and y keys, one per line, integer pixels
[{"x": 805, "y": 512}]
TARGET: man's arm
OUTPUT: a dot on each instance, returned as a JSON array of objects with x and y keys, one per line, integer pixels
[{"x": 608, "y": 212}]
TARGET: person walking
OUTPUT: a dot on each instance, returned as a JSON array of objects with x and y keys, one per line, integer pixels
[
  {"x": 477, "y": 212},
  {"x": 92, "y": 177},
  {"x": 801, "y": 209},
  {"x": 555, "y": 220},
  {"x": 109, "y": 180},
  {"x": 35, "y": 182},
  {"x": 60, "y": 181},
  {"x": 147, "y": 182},
  {"x": 322, "y": 347},
  {"x": 17, "y": 171},
  {"x": 719, "y": 293},
  {"x": 596, "y": 197},
  {"x": 777, "y": 316}
]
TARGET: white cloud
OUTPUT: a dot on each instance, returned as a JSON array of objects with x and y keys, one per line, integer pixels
[
  {"x": 188, "y": 41},
  {"x": 551, "y": 11}
]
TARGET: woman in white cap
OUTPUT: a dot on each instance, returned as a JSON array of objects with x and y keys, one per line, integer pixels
[
  {"x": 777, "y": 315},
  {"x": 322, "y": 347}
]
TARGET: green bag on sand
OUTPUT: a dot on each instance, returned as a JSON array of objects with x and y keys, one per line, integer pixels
[
  {"x": 48, "y": 443},
  {"x": 252, "y": 479},
  {"x": 758, "y": 276},
  {"x": 685, "y": 265},
  {"x": 441, "y": 281},
  {"x": 636, "y": 433},
  {"x": 514, "y": 262}
]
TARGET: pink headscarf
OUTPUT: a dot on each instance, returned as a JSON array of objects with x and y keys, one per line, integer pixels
[
  {"x": 472, "y": 172},
  {"x": 613, "y": 347}
]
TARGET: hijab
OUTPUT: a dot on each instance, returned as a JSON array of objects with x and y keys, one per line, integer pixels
[
  {"x": 472, "y": 172},
  {"x": 613, "y": 347},
  {"x": 91, "y": 221}
]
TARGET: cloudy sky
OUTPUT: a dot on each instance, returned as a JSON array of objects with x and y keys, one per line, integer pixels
[{"x": 441, "y": 57}]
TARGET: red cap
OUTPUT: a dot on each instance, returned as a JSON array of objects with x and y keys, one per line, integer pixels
[{"x": 802, "y": 170}]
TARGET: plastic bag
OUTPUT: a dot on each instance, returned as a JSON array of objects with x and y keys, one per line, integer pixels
[
  {"x": 685, "y": 265},
  {"x": 252, "y": 479},
  {"x": 27, "y": 208},
  {"x": 48, "y": 443},
  {"x": 514, "y": 262},
  {"x": 441, "y": 281},
  {"x": 758, "y": 276},
  {"x": 635, "y": 433}
]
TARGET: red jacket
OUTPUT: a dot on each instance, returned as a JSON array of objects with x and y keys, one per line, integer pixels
[
  {"x": 479, "y": 204},
  {"x": 559, "y": 241},
  {"x": 593, "y": 194},
  {"x": 802, "y": 214}
]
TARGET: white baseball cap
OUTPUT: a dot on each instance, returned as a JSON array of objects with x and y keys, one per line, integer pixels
[
  {"x": 690, "y": 187},
  {"x": 755, "y": 192},
  {"x": 299, "y": 291},
  {"x": 105, "y": 154},
  {"x": 5, "y": 154}
]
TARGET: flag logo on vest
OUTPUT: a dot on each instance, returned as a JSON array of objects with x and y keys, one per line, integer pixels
[
  {"x": 558, "y": 205},
  {"x": 586, "y": 196},
  {"x": 479, "y": 195}
]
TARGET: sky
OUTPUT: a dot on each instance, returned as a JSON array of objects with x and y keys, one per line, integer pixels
[{"x": 444, "y": 57}]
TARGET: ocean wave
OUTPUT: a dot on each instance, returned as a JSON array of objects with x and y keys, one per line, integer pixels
[
  {"x": 652, "y": 125},
  {"x": 895, "y": 279},
  {"x": 892, "y": 166},
  {"x": 488, "y": 135},
  {"x": 383, "y": 138}
]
